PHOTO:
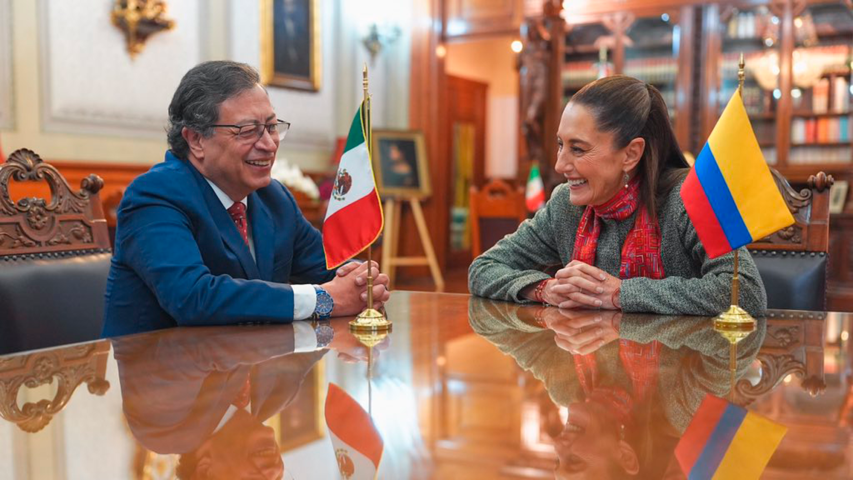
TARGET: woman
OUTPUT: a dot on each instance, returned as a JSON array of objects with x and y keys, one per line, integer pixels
[{"x": 616, "y": 233}]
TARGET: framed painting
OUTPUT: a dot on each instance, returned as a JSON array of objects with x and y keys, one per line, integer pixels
[
  {"x": 290, "y": 44},
  {"x": 400, "y": 164},
  {"x": 838, "y": 196},
  {"x": 302, "y": 421}
]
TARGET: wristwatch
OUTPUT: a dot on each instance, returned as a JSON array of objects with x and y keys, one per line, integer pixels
[
  {"x": 324, "y": 333},
  {"x": 325, "y": 304}
]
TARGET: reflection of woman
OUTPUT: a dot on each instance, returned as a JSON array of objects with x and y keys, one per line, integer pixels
[
  {"x": 632, "y": 396},
  {"x": 398, "y": 170},
  {"x": 617, "y": 230}
]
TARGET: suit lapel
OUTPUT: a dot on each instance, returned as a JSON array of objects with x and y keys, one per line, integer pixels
[
  {"x": 227, "y": 230},
  {"x": 260, "y": 221}
]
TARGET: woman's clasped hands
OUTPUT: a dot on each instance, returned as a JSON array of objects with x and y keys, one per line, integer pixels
[
  {"x": 583, "y": 332},
  {"x": 580, "y": 285}
]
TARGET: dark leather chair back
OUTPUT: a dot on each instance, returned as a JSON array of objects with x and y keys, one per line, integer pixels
[
  {"x": 793, "y": 261},
  {"x": 54, "y": 258},
  {"x": 496, "y": 211}
]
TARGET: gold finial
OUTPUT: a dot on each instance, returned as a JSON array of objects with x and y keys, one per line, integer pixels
[
  {"x": 364, "y": 80},
  {"x": 741, "y": 74}
]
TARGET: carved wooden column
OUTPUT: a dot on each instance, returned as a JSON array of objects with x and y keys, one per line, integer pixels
[{"x": 557, "y": 28}]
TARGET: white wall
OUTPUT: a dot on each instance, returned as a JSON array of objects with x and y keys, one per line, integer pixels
[
  {"x": 6, "y": 91},
  {"x": 69, "y": 90}
]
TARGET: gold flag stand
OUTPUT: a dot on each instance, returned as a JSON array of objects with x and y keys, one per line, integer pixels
[
  {"x": 370, "y": 320},
  {"x": 735, "y": 324},
  {"x": 370, "y": 339}
]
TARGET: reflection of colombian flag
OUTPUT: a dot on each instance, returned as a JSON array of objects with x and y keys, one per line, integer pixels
[
  {"x": 724, "y": 441},
  {"x": 730, "y": 195},
  {"x": 358, "y": 446}
]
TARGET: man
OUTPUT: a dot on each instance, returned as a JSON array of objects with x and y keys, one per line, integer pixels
[{"x": 206, "y": 238}]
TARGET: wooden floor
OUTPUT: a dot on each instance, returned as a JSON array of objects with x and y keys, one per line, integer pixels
[{"x": 455, "y": 281}]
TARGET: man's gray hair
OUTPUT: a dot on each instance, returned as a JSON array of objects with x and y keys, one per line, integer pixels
[{"x": 196, "y": 102}]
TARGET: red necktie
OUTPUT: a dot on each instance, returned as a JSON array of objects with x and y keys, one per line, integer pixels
[{"x": 238, "y": 214}]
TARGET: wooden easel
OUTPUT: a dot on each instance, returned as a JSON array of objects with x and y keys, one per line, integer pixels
[{"x": 390, "y": 241}]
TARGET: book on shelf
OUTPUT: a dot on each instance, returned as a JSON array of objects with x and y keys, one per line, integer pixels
[
  {"x": 820, "y": 130},
  {"x": 840, "y": 95},
  {"x": 820, "y": 96}
]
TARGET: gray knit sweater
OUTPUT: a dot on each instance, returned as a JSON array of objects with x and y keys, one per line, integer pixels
[{"x": 694, "y": 284}]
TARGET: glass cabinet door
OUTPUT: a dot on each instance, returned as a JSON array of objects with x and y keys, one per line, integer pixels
[
  {"x": 821, "y": 86},
  {"x": 755, "y": 33},
  {"x": 588, "y": 56},
  {"x": 651, "y": 55}
]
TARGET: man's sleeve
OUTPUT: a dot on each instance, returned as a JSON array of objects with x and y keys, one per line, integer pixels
[{"x": 158, "y": 244}]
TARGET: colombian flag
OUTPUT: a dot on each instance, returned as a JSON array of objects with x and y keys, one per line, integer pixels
[
  {"x": 724, "y": 441},
  {"x": 730, "y": 195}
]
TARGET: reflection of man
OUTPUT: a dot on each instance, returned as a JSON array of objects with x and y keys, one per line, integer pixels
[
  {"x": 205, "y": 393},
  {"x": 207, "y": 238},
  {"x": 398, "y": 167}
]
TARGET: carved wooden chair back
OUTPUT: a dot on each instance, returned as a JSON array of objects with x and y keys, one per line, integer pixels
[
  {"x": 496, "y": 210},
  {"x": 54, "y": 257},
  {"x": 793, "y": 260}
]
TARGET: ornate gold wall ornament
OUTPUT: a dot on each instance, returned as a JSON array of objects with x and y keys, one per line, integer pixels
[
  {"x": 139, "y": 19},
  {"x": 69, "y": 366}
]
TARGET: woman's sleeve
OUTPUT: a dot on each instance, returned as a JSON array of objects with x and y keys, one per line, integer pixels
[
  {"x": 519, "y": 259},
  {"x": 707, "y": 294}
]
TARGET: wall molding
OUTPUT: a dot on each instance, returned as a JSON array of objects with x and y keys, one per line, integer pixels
[
  {"x": 7, "y": 91},
  {"x": 107, "y": 119}
]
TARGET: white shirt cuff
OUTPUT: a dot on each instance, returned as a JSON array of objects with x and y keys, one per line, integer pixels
[
  {"x": 304, "y": 338},
  {"x": 304, "y": 301}
]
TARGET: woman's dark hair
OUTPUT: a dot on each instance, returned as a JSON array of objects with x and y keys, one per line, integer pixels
[
  {"x": 196, "y": 102},
  {"x": 630, "y": 108}
]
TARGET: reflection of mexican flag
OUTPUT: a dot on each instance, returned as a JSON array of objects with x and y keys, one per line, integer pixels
[{"x": 357, "y": 444}]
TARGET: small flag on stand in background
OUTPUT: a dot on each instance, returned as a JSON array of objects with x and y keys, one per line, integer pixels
[
  {"x": 725, "y": 441},
  {"x": 358, "y": 446},
  {"x": 535, "y": 195},
  {"x": 354, "y": 217},
  {"x": 730, "y": 195}
]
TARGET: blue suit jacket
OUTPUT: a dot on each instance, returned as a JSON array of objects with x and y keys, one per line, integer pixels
[{"x": 179, "y": 259}]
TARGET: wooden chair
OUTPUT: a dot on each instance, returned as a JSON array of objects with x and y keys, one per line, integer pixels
[
  {"x": 54, "y": 257},
  {"x": 495, "y": 211},
  {"x": 792, "y": 262}
]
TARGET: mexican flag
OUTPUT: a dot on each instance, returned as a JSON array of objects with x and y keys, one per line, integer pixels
[
  {"x": 357, "y": 444},
  {"x": 535, "y": 196},
  {"x": 354, "y": 217}
]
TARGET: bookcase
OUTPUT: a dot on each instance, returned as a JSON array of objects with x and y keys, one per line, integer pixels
[{"x": 797, "y": 91}]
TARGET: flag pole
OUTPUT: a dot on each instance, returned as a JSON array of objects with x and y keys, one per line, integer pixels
[
  {"x": 370, "y": 320},
  {"x": 735, "y": 324}
]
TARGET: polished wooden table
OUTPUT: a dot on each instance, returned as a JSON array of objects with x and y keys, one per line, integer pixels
[{"x": 462, "y": 388}]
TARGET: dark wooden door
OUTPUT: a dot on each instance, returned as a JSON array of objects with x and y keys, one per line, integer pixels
[{"x": 463, "y": 163}]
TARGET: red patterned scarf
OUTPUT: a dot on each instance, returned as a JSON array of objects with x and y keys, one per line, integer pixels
[
  {"x": 641, "y": 251},
  {"x": 640, "y": 258}
]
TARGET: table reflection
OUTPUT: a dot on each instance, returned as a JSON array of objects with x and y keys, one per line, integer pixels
[
  {"x": 464, "y": 387},
  {"x": 630, "y": 384}
]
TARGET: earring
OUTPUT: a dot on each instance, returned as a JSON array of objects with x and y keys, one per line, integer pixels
[{"x": 625, "y": 179}]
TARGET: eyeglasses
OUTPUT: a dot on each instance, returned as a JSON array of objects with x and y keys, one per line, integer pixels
[{"x": 252, "y": 132}]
